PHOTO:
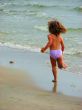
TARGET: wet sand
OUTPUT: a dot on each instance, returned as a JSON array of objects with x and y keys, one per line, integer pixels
[
  {"x": 18, "y": 92},
  {"x": 37, "y": 65},
  {"x": 25, "y": 83}
]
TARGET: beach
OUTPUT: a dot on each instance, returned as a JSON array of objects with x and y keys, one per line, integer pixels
[
  {"x": 19, "y": 89},
  {"x": 25, "y": 73}
]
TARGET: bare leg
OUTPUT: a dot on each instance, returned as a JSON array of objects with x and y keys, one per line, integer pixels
[
  {"x": 61, "y": 63},
  {"x": 55, "y": 87},
  {"x": 54, "y": 69}
]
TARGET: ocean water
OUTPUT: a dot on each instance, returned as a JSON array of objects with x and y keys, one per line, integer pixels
[{"x": 23, "y": 24}]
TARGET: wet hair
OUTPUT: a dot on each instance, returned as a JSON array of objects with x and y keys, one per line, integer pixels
[{"x": 55, "y": 27}]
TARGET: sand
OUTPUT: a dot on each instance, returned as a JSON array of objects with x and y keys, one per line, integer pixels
[
  {"x": 37, "y": 65},
  {"x": 18, "y": 92},
  {"x": 25, "y": 83}
]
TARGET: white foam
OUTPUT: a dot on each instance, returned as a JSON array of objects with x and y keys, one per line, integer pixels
[
  {"x": 41, "y": 28},
  {"x": 37, "y": 49},
  {"x": 80, "y": 7},
  {"x": 27, "y": 47},
  {"x": 73, "y": 52}
]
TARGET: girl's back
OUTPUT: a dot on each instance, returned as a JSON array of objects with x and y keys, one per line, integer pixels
[{"x": 56, "y": 45}]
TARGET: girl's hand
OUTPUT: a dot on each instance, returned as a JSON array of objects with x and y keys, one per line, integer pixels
[{"x": 43, "y": 50}]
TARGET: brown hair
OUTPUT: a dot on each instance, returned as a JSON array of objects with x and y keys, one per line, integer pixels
[{"x": 55, "y": 27}]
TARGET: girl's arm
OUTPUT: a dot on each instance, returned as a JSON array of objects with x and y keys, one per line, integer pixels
[
  {"x": 47, "y": 45},
  {"x": 62, "y": 44}
]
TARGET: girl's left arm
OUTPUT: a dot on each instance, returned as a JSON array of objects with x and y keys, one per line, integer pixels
[{"x": 62, "y": 44}]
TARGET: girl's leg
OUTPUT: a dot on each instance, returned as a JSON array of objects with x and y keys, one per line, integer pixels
[
  {"x": 61, "y": 63},
  {"x": 54, "y": 69}
]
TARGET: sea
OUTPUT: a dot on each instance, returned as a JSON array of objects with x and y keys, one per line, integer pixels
[{"x": 23, "y": 25}]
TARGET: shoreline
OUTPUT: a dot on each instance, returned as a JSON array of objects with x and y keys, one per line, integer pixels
[
  {"x": 39, "y": 69},
  {"x": 16, "y": 94}
]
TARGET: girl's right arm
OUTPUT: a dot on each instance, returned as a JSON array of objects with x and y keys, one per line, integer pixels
[{"x": 47, "y": 45}]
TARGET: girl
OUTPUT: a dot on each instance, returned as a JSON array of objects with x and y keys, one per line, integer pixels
[{"x": 56, "y": 45}]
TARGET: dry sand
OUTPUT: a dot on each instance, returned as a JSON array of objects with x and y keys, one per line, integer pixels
[{"x": 18, "y": 92}]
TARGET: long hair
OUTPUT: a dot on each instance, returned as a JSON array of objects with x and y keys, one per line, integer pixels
[{"x": 55, "y": 27}]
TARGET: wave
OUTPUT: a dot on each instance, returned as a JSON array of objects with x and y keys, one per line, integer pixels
[
  {"x": 22, "y": 47},
  {"x": 35, "y": 4},
  {"x": 4, "y": 33},
  {"x": 78, "y": 8},
  {"x": 38, "y": 5},
  {"x": 45, "y": 28},
  {"x": 1, "y": 10},
  {"x": 37, "y": 49},
  {"x": 74, "y": 29},
  {"x": 24, "y": 12},
  {"x": 73, "y": 52},
  {"x": 41, "y": 28}
]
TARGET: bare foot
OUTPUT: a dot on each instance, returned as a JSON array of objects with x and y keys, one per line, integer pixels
[{"x": 65, "y": 66}]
